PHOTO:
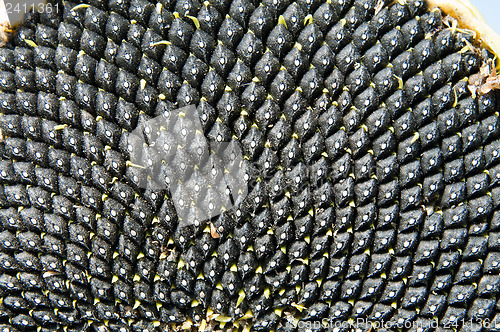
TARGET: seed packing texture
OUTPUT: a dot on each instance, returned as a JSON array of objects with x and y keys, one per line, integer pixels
[{"x": 376, "y": 189}]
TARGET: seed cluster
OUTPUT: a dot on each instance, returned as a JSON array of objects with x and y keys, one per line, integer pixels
[{"x": 378, "y": 186}]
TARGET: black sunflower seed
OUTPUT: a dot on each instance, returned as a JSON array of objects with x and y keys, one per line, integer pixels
[{"x": 373, "y": 168}]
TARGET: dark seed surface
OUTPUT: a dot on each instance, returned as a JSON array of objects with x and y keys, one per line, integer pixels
[{"x": 376, "y": 194}]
